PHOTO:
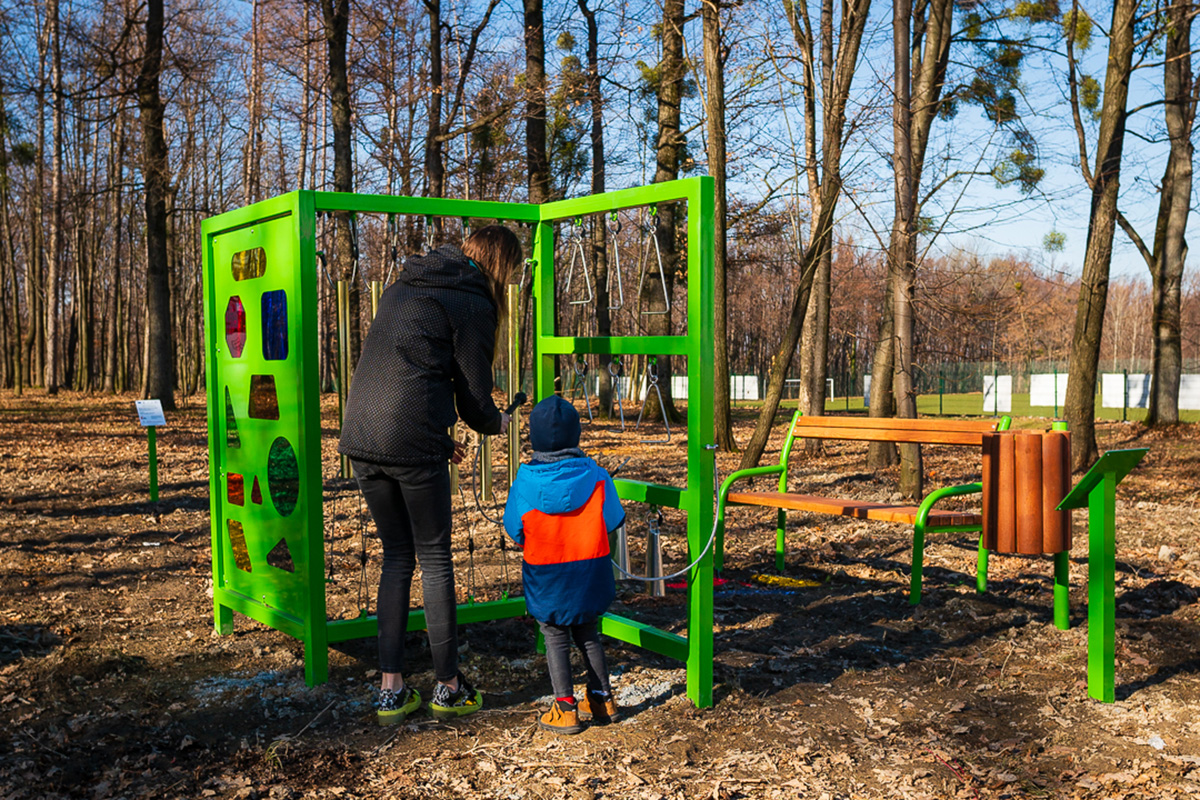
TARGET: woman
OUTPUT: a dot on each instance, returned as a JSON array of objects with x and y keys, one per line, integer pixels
[{"x": 429, "y": 352}]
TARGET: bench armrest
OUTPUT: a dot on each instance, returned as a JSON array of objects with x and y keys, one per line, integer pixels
[
  {"x": 940, "y": 494},
  {"x": 727, "y": 484}
]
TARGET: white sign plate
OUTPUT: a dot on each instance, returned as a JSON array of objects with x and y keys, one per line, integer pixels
[{"x": 150, "y": 413}]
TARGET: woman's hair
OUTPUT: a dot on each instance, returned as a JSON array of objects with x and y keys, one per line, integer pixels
[{"x": 497, "y": 251}]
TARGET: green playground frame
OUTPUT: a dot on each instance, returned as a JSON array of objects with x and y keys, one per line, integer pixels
[{"x": 265, "y": 482}]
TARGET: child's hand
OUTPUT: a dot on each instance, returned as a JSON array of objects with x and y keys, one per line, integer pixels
[{"x": 460, "y": 452}]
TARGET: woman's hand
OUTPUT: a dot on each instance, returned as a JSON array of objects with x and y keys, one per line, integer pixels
[
  {"x": 504, "y": 420},
  {"x": 460, "y": 452}
]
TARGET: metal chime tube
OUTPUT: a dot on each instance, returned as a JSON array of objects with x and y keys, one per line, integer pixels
[
  {"x": 618, "y": 543},
  {"x": 654, "y": 558},
  {"x": 376, "y": 293},
  {"x": 513, "y": 301}
]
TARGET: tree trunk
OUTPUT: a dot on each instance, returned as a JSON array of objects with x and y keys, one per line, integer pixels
[
  {"x": 714, "y": 72},
  {"x": 537, "y": 161},
  {"x": 657, "y": 319},
  {"x": 814, "y": 344},
  {"x": 157, "y": 380},
  {"x": 1093, "y": 287},
  {"x": 337, "y": 26},
  {"x": 1170, "y": 245},
  {"x": 116, "y": 161},
  {"x": 903, "y": 250},
  {"x": 54, "y": 256},
  {"x": 18, "y": 364},
  {"x": 838, "y": 70},
  {"x": 435, "y": 167}
]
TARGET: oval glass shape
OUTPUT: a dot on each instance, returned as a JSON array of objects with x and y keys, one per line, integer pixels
[
  {"x": 248, "y": 264},
  {"x": 283, "y": 476},
  {"x": 235, "y": 326}
]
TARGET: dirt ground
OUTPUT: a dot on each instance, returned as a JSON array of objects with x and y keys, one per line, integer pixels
[{"x": 113, "y": 684}]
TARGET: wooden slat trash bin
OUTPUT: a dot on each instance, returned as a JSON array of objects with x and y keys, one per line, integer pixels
[{"x": 1026, "y": 474}]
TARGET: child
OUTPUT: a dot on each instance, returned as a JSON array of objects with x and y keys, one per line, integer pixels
[{"x": 561, "y": 509}]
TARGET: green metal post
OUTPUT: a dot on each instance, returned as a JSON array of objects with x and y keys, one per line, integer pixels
[
  {"x": 1062, "y": 590},
  {"x": 151, "y": 438},
  {"x": 1056, "y": 390},
  {"x": 981, "y": 567},
  {"x": 1062, "y": 571},
  {"x": 1102, "y": 562}
]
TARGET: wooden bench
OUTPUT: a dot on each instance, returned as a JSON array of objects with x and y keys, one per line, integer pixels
[{"x": 924, "y": 517}]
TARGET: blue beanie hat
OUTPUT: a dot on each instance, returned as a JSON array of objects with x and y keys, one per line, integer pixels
[{"x": 553, "y": 425}]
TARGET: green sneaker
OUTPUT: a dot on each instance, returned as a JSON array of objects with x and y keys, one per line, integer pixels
[
  {"x": 394, "y": 707},
  {"x": 448, "y": 705}
]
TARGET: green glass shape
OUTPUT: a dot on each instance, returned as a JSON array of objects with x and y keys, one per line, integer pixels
[
  {"x": 283, "y": 476},
  {"x": 280, "y": 557},
  {"x": 231, "y": 428}
]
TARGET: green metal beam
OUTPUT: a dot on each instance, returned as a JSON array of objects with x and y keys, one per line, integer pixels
[
  {"x": 342, "y": 630},
  {"x": 637, "y": 633},
  {"x": 654, "y": 494},
  {"x": 428, "y": 206},
  {"x": 616, "y": 345}
]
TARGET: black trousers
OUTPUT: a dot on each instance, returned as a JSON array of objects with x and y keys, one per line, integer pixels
[
  {"x": 411, "y": 509},
  {"x": 558, "y": 656}
]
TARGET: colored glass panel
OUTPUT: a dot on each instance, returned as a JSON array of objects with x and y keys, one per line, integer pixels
[
  {"x": 274, "y": 325},
  {"x": 283, "y": 476},
  {"x": 235, "y": 326},
  {"x": 237, "y": 540},
  {"x": 231, "y": 430},
  {"x": 256, "y": 493},
  {"x": 249, "y": 264},
  {"x": 236, "y": 489},
  {"x": 264, "y": 403}
]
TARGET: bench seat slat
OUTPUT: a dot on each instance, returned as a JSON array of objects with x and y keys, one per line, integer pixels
[
  {"x": 969, "y": 438},
  {"x": 860, "y": 509}
]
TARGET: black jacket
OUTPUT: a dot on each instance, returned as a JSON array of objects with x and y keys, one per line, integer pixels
[{"x": 429, "y": 351}]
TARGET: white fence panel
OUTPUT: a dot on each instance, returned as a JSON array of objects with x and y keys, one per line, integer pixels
[
  {"x": 997, "y": 394},
  {"x": 866, "y": 390},
  {"x": 679, "y": 387},
  {"x": 1189, "y": 392},
  {"x": 1116, "y": 392},
  {"x": 743, "y": 387},
  {"x": 1042, "y": 389}
]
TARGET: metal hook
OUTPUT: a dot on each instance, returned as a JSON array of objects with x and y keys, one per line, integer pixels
[
  {"x": 652, "y": 379},
  {"x": 616, "y": 369},
  {"x": 613, "y": 225},
  {"x": 575, "y": 237},
  {"x": 580, "y": 368},
  {"x": 354, "y": 247},
  {"x": 649, "y": 228},
  {"x": 393, "y": 230}
]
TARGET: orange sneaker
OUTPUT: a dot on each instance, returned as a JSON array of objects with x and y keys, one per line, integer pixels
[
  {"x": 603, "y": 709},
  {"x": 563, "y": 717}
]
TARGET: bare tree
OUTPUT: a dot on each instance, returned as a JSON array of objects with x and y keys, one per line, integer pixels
[
  {"x": 157, "y": 377},
  {"x": 1104, "y": 182},
  {"x": 1166, "y": 260},
  {"x": 825, "y": 184}
]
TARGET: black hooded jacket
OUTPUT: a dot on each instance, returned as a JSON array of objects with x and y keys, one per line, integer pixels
[{"x": 429, "y": 351}]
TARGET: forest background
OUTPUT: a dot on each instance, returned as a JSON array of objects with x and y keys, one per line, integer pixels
[{"x": 900, "y": 187}]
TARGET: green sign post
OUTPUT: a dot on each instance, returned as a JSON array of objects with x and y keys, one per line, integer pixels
[
  {"x": 1097, "y": 490},
  {"x": 150, "y": 415}
]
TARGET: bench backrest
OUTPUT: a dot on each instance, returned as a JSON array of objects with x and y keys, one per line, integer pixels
[{"x": 912, "y": 431}]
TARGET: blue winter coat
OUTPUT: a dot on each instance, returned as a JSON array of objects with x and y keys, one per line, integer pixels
[{"x": 561, "y": 513}]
